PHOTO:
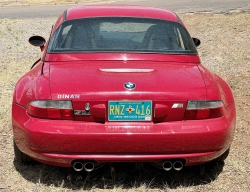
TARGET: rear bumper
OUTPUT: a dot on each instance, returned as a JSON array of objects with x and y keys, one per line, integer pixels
[{"x": 59, "y": 142}]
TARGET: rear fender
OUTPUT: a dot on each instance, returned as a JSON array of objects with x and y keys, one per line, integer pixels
[
  {"x": 33, "y": 85},
  {"x": 217, "y": 88}
]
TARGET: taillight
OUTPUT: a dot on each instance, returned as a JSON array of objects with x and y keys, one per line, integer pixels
[
  {"x": 204, "y": 110},
  {"x": 51, "y": 109}
]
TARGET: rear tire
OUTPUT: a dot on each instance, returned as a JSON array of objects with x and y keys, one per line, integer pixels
[
  {"x": 223, "y": 156},
  {"x": 20, "y": 156}
]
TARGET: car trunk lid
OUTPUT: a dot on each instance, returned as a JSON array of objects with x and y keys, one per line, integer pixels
[{"x": 97, "y": 82}]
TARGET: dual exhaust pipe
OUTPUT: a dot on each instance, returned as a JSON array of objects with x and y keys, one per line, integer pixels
[
  {"x": 176, "y": 165},
  {"x": 90, "y": 166},
  {"x": 79, "y": 166}
]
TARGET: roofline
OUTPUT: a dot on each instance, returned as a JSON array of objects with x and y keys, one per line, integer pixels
[
  {"x": 68, "y": 12},
  {"x": 65, "y": 13}
]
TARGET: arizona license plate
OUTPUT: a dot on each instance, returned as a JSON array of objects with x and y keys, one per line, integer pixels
[{"x": 130, "y": 111}]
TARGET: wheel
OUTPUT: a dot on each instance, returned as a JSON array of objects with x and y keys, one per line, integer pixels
[
  {"x": 223, "y": 156},
  {"x": 20, "y": 156}
]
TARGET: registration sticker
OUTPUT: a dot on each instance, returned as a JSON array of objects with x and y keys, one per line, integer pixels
[{"x": 130, "y": 111}]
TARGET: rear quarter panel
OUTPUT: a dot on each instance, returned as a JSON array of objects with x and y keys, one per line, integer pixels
[
  {"x": 217, "y": 88},
  {"x": 33, "y": 85}
]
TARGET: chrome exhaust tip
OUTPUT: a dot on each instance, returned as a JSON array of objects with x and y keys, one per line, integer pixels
[
  {"x": 167, "y": 165},
  {"x": 89, "y": 166},
  {"x": 78, "y": 166},
  {"x": 178, "y": 165}
]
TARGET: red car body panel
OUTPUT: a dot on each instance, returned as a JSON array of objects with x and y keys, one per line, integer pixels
[
  {"x": 33, "y": 85},
  {"x": 120, "y": 10},
  {"x": 53, "y": 142},
  {"x": 122, "y": 57},
  {"x": 217, "y": 88},
  {"x": 175, "y": 79},
  {"x": 107, "y": 86}
]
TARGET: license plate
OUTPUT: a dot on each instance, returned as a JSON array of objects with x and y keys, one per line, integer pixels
[{"x": 130, "y": 111}]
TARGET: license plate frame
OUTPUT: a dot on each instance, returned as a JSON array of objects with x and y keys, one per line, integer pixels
[{"x": 140, "y": 110}]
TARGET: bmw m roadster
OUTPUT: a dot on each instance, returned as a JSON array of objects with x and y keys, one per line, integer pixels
[{"x": 120, "y": 83}]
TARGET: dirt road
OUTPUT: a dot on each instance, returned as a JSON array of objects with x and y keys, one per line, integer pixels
[{"x": 184, "y": 6}]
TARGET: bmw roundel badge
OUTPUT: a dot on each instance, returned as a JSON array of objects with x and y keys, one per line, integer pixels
[{"x": 129, "y": 85}]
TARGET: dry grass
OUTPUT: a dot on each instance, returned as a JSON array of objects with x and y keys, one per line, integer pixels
[{"x": 224, "y": 49}]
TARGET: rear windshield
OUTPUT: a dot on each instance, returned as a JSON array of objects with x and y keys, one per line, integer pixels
[{"x": 121, "y": 34}]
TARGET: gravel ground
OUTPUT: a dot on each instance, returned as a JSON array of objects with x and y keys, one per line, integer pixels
[{"x": 224, "y": 49}]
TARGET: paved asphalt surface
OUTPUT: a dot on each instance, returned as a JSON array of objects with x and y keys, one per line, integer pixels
[{"x": 179, "y": 6}]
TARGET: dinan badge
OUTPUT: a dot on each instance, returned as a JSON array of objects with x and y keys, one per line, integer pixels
[{"x": 129, "y": 85}]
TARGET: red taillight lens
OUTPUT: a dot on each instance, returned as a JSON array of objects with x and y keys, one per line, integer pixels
[
  {"x": 54, "y": 113},
  {"x": 204, "y": 110},
  {"x": 67, "y": 114},
  {"x": 217, "y": 112},
  {"x": 51, "y": 109},
  {"x": 37, "y": 112}
]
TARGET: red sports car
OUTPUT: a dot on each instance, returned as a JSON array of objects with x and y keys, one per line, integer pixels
[{"x": 121, "y": 84}]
